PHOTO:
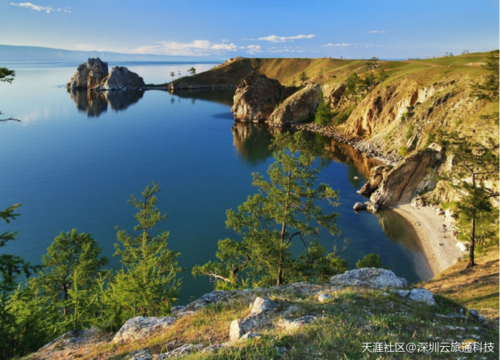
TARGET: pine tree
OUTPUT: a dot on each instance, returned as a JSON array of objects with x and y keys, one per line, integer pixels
[
  {"x": 268, "y": 222},
  {"x": 147, "y": 283},
  {"x": 474, "y": 164},
  {"x": 489, "y": 89},
  {"x": 73, "y": 266}
]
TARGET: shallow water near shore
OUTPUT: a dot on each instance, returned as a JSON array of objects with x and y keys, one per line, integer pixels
[{"x": 75, "y": 159}]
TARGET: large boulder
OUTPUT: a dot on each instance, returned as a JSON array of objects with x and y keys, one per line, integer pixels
[
  {"x": 89, "y": 74},
  {"x": 256, "y": 98},
  {"x": 121, "y": 78},
  {"x": 141, "y": 327},
  {"x": 370, "y": 277},
  {"x": 297, "y": 108}
]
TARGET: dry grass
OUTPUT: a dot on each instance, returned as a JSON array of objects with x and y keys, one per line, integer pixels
[{"x": 475, "y": 288}]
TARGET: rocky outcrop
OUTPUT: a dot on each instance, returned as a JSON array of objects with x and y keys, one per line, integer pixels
[
  {"x": 89, "y": 74},
  {"x": 376, "y": 176},
  {"x": 142, "y": 327},
  {"x": 93, "y": 75},
  {"x": 256, "y": 98},
  {"x": 297, "y": 108},
  {"x": 401, "y": 182},
  {"x": 370, "y": 277},
  {"x": 120, "y": 78},
  {"x": 258, "y": 318}
]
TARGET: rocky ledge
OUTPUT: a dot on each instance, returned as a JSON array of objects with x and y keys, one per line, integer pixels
[
  {"x": 271, "y": 309},
  {"x": 93, "y": 75}
]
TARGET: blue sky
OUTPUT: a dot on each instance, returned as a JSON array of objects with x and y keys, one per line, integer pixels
[{"x": 272, "y": 28}]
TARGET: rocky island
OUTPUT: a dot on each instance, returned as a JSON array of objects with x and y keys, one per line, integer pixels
[{"x": 93, "y": 75}]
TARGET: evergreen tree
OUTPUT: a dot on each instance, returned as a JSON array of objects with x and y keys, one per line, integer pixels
[
  {"x": 352, "y": 86},
  {"x": 11, "y": 268},
  {"x": 147, "y": 283},
  {"x": 7, "y": 75},
  {"x": 269, "y": 221},
  {"x": 70, "y": 279},
  {"x": 489, "y": 89},
  {"x": 323, "y": 114},
  {"x": 303, "y": 76},
  {"x": 192, "y": 71},
  {"x": 473, "y": 164}
]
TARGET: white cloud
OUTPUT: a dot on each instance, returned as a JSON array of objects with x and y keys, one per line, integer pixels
[
  {"x": 351, "y": 45},
  {"x": 275, "y": 49},
  {"x": 377, "y": 31},
  {"x": 47, "y": 9},
  {"x": 195, "y": 48},
  {"x": 277, "y": 39},
  {"x": 252, "y": 49}
]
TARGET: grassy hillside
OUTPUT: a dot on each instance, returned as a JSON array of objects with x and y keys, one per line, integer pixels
[{"x": 475, "y": 288}]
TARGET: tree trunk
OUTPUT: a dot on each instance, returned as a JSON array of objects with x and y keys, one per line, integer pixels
[
  {"x": 472, "y": 232},
  {"x": 471, "y": 244}
]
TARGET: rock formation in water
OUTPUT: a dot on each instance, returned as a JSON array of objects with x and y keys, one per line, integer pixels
[
  {"x": 120, "y": 78},
  {"x": 403, "y": 182},
  {"x": 297, "y": 108},
  {"x": 256, "y": 98},
  {"x": 89, "y": 74},
  {"x": 93, "y": 75}
]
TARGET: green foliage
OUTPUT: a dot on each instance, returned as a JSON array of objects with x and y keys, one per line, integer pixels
[
  {"x": 12, "y": 326},
  {"x": 371, "y": 64},
  {"x": 323, "y": 113},
  {"x": 303, "y": 76},
  {"x": 147, "y": 283},
  {"x": 7, "y": 75},
  {"x": 192, "y": 71},
  {"x": 369, "y": 261},
  {"x": 409, "y": 132},
  {"x": 352, "y": 90},
  {"x": 431, "y": 138},
  {"x": 268, "y": 221},
  {"x": 403, "y": 151},
  {"x": 389, "y": 134},
  {"x": 489, "y": 89},
  {"x": 70, "y": 279},
  {"x": 474, "y": 164},
  {"x": 344, "y": 115},
  {"x": 382, "y": 76}
]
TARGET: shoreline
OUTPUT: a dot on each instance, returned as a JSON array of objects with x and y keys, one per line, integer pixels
[{"x": 441, "y": 250}]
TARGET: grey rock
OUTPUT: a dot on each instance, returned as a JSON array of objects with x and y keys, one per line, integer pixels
[
  {"x": 181, "y": 352},
  {"x": 89, "y": 74},
  {"x": 482, "y": 319},
  {"x": 422, "y": 295},
  {"x": 250, "y": 335},
  {"x": 474, "y": 313},
  {"x": 262, "y": 304},
  {"x": 371, "y": 277},
  {"x": 120, "y": 77},
  {"x": 141, "y": 327},
  {"x": 143, "y": 354},
  {"x": 324, "y": 297},
  {"x": 359, "y": 206},
  {"x": 291, "y": 324},
  {"x": 402, "y": 293}
]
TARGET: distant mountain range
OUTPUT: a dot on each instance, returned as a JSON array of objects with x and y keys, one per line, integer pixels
[{"x": 10, "y": 53}]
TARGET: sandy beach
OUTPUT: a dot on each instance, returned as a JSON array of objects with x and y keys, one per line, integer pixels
[{"x": 440, "y": 248}]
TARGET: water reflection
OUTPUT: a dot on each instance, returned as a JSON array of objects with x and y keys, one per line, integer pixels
[
  {"x": 399, "y": 230},
  {"x": 252, "y": 141},
  {"x": 95, "y": 103},
  {"x": 221, "y": 96}
]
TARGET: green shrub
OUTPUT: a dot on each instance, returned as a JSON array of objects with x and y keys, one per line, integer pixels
[
  {"x": 409, "y": 133},
  {"x": 430, "y": 139},
  {"x": 369, "y": 261},
  {"x": 403, "y": 150}
]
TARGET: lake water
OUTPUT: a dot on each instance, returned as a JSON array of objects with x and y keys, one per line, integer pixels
[{"x": 74, "y": 161}]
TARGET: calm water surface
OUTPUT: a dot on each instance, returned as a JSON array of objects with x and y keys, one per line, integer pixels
[{"x": 74, "y": 161}]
